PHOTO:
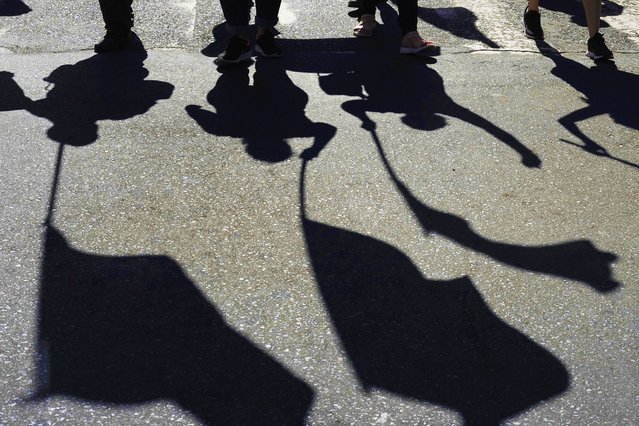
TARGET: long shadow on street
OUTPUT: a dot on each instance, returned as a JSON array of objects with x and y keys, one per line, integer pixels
[
  {"x": 127, "y": 330},
  {"x": 407, "y": 86},
  {"x": 606, "y": 91},
  {"x": 435, "y": 341},
  {"x": 134, "y": 329},
  {"x": 386, "y": 83},
  {"x": 575, "y": 260}
]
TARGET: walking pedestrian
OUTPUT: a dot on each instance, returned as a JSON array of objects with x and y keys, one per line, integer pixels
[{"x": 597, "y": 48}]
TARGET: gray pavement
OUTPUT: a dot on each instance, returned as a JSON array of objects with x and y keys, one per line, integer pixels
[{"x": 342, "y": 236}]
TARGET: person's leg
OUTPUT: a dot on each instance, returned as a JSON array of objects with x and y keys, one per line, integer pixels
[
  {"x": 593, "y": 15},
  {"x": 118, "y": 21},
  {"x": 532, "y": 21},
  {"x": 597, "y": 48},
  {"x": 367, "y": 7},
  {"x": 266, "y": 12},
  {"x": 407, "y": 19},
  {"x": 412, "y": 42},
  {"x": 237, "y": 14}
]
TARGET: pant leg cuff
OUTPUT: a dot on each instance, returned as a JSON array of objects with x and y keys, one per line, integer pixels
[
  {"x": 234, "y": 30},
  {"x": 265, "y": 22}
]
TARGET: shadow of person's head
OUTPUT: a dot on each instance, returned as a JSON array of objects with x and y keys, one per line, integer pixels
[
  {"x": 426, "y": 122},
  {"x": 267, "y": 149},
  {"x": 101, "y": 87},
  {"x": 74, "y": 133}
]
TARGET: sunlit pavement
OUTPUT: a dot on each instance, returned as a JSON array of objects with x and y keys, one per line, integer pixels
[{"x": 340, "y": 236}]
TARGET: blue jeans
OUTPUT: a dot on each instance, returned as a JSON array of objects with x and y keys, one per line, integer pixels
[{"x": 238, "y": 14}]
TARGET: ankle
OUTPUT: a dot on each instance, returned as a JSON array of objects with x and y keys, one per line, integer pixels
[{"x": 410, "y": 38}]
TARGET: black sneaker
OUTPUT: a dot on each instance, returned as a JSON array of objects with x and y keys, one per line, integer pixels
[
  {"x": 113, "y": 42},
  {"x": 597, "y": 48},
  {"x": 266, "y": 46},
  {"x": 532, "y": 24},
  {"x": 237, "y": 50}
]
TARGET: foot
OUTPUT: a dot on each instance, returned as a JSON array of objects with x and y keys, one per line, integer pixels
[
  {"x": 113, "y": 42},
  {"x": 238, "y": 50},
  {"x": 265, "y": 45},
  {"x": 597, "y": 48},
  {"x": 532, "y": 25},
  {"x": 413, "y": 43},
  {"x": 365, "y": 26}
]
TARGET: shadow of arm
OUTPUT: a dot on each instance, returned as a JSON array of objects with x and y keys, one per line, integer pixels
[{"x": 528, "y": 157}]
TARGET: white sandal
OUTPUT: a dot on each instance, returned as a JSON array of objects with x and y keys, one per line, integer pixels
[{"x": 414, "y": 43}]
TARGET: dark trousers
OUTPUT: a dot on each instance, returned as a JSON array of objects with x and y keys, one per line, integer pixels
[
  {"x": 117, "y": 15},
  {"x": 407, "y": 13},
  {"x": 238, "y": 14}
]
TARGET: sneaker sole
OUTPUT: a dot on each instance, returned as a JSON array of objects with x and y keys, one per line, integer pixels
[
  {"x": 243, "y": 57},
  {"x": 532, "y": 36},
  {"x": 434, "y": 50},
  {"x": 259, "y": 50},
  {"x": 595, "y": 57}
]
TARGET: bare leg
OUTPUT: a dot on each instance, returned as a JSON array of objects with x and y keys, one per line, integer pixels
[
  {"x": 534, "y": 4},
  {"x": 593, "y": 15}
]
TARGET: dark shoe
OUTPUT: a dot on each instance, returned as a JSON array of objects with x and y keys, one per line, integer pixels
[
  {"x": 113, "y": 42},
  {"x": 237, "y": 50},
  {"x": 266, "y": 46},
  {"x": 597, "y": 48},
  {"x": 532, "y": 24}
]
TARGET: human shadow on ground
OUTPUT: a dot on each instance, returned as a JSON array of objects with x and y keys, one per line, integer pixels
[
  {"x": 606, "y": 90},
  {"x": 134, "y": 329},
  {"x": 265, "y": 115},
  {"x": 13, "y": 8},
  {"x": 102, "y": 87},
  {"x": 458, "y": 21},
  {"x": 406, "y": 85},
  {"x": 430, "y": 340},
  {"x": 575, "y": 260}
]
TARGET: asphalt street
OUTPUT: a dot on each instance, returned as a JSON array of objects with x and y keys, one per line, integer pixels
[{"x": 342, "y": 236}]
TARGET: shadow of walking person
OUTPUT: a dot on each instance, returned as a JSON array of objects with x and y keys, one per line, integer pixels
[
  {"x": 265, "y": 115},
  {"x": 13, "y": 8},
  {"x": 126, "y": 330},
  {"x": 435, "y": 341},
  {"x": 102, "y": 87},
  {"x": 407, "y": 86},
  {"x": 606, "y": 90}
]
